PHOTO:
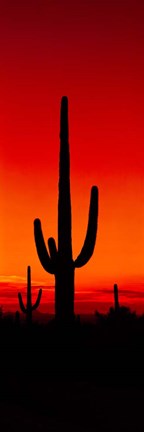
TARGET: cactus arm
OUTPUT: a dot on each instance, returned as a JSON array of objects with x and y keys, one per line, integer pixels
[
  {"x": 36, "y": 304},
  {"x": 42, "y": 252},
  {"x": 89, "y": 243},
  {"x": 22, "y": 307},
  {"x": 52, "y": 249}
]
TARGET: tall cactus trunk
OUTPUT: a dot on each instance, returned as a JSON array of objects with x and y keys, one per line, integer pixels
[
  {"x": 29, "y": 300},
  {"x": 65, "y": 271},
  {"x": 64, "y": 293}
]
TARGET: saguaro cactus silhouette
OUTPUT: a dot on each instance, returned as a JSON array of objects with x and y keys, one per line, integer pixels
[
  {"x": 29, "y": 307},
  {"x": 60, "y": 261},
  {"x": 116, "y": 299}
]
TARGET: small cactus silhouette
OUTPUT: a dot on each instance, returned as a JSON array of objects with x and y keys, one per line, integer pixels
[
  {"x": 116, "y": 299},
  {"x": 29, "y": 307},
  {"x": 60, "y": 261}
]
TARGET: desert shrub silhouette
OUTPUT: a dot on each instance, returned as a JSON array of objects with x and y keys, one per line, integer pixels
[
  {"x": 29, "y": 308},
  {"x": 59, "y": 261}
]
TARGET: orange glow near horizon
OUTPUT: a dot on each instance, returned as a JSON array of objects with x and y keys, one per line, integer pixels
[{"x": 94, "y": 55}]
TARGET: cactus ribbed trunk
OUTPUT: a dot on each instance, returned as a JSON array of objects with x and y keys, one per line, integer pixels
[{"x": 65, "y": 272}]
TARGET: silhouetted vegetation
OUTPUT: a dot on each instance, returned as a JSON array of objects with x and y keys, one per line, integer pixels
[
  {"x": 119, "y": 325},
  {"x": 60, "y": 261},
  {"x": 67, "y": 367},
  {"x": 56, "y": 366},
  {"x": 76, "y": 347},
  {"x": 29, "y": 308},
  {"x": 116, "y": 299}
]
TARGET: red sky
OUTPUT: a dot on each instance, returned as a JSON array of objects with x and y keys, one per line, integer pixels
[{"x": 91, "y": 51}]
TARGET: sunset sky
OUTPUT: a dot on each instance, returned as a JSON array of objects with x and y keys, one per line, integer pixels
[{"x": 93, "y": 52}]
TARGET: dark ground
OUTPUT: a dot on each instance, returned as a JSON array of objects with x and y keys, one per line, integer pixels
[{"x": 86, "y": 377}]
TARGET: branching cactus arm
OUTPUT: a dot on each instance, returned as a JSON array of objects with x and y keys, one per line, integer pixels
[
  {"x": 53, "y": 251},
  {"x": 36, "y": 304},
  {"x": 42, "y": 251},
  {"x": 22, "y": 307},
  {"x": 90, "y": 239}
]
